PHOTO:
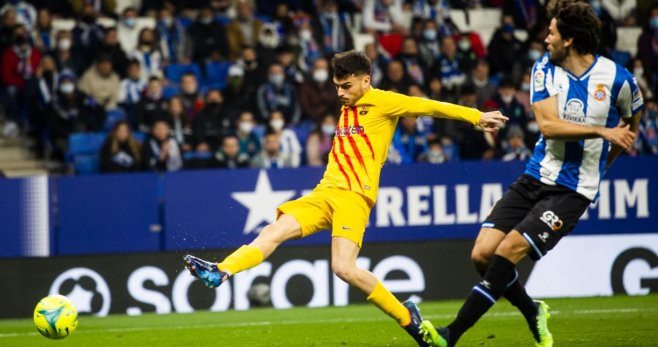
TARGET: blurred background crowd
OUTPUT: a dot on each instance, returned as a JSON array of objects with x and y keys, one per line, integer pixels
[{"x": 131, "y": 85}]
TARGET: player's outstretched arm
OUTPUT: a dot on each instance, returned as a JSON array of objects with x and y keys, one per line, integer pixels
[{"x": 552, "y": 127}]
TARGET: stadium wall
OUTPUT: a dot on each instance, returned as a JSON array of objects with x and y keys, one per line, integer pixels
[{"x": 116, "y": 241}]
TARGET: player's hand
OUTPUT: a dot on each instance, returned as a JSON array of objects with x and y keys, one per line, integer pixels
[
  {"x": 491, "y": 121},
  {"x": 621, "y": 136}
]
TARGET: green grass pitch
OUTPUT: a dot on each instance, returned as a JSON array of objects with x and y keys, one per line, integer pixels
[{"x": 611, "y": 321}]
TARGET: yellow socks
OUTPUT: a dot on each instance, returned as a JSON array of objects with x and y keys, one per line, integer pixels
[
  {"x": 386, "y": 302},
  {"x": 243, "y": 258}
]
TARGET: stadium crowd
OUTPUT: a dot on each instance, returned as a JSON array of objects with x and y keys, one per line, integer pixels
[{"x": 236, "y": 83}]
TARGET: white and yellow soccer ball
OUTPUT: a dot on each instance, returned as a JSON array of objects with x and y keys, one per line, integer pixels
[{"x": 55, "y": 317}]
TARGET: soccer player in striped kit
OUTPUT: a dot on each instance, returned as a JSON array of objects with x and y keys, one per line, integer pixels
[
  {"x": 587, "y": 108},
  {"x": 343, "y": 198}
]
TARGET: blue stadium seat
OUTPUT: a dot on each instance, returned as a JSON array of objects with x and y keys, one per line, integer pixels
[
  {"x": 84, "y": 150},
  {"x": 113, "y": 117},
  {"x": 169, "y": 91},
  {"x": 197, "y": 155},
  {"x": 174, "y": 72},
  {"x": 216, "y": 75}
]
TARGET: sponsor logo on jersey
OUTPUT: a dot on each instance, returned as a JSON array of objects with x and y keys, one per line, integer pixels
[
  {"x": 552, "y": 220},
  {"x": 599, "y": 93},
  {"x": 350, "y": 130},
  {"x": 574, "y": 111}
]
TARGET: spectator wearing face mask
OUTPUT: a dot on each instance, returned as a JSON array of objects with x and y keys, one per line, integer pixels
[
  {"x": 173, "y": 37},
  {"x": 128, "y": 30},
  {"x": 504, "y": 49},
  {"x": 288, "y": 60},
  {"x": 160, "y": 152},
  {"x": 428, "y": 46},
  {"x": 63, "y": 53},
  {"x": 290, "y": 145},
  {"x": 101, "y": 82},
  {"x": 255, "y": 69},
  {"x": 317, "y": 96},
  {"x": 481, "y": 83},
  {"x": 120, "y": 151},
  {"x": 535, "y": 52},
  {"x": 268, "y": 42},
  {"x": 449, "y": 68},
  {"x": 434, "y": 154},
  {"x": 243, "y": 30},
  {"x": 271, "y": 156},
  {"x": 205, "y": 36},
  {"x": 192, "y": 101},
  {"x": 642, "y": 81},
  {"x": 229, "y": 156},
  {"x": 309, "y": 46},
  {"x": 249, "y": 141},
  {"x": 19, "y": 64},
  {"x": 148, "y": 54},
  {"x": 320, "y": 140},
  {"x": 70, "y": 111},
  {"x": 509, "y": 106},
  {"x": 277, "y": 94},
  {"x": 152, "y": 106},
  {"x": 465, "y": 53},
  {"x": 212, "y": 123}
]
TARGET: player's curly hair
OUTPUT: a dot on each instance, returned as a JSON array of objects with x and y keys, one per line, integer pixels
[
  {"x": 554, "y": 6},
  {"x": 577, "y": 21},
  {"x": 350, "y": 63}
]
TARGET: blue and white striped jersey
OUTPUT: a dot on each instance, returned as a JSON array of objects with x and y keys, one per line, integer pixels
[{"x": 601, "y": 96}]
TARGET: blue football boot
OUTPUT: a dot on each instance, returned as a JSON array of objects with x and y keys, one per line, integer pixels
[
  {"x": 205, "y": 271},
  {"x": 413, "y": 328}
]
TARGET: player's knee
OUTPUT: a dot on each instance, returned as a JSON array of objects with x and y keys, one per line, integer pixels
[
  {"x": 343, "y": 270},
  {"x": 480, "y": 258}
]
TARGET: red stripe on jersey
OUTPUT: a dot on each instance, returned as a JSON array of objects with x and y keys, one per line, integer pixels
[
  {"x": 340, "y": 167},
  {"x": 363, "y": 134},
  {"x": 349, "y": 161},
  {"x": 355, "y": 148}
]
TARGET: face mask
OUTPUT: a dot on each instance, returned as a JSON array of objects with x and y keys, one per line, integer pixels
[
  {"x": 155, "y": 95},
  {"x": 464, "y": 45},
  {"x": 20, "y": 40},
  {"x": 145, "y": 47},
  {"x": 277, "y": 80},
  {"x": 436, "y": 157},
  {"x": 320, "y": 75},
  {"x": 277, "y": 124},
  {"x": 64, "y": 44},
  {"x": 525, "y": 87},
  {"x": 305, "y": 35},
  {"x": 507, "y": 98},
  {"x": 508, "y": 28},
  {"x": 167, "y": 21},
  {"x": 67, "y": 88},
  {"x": 246, "y": 127},
  {"x": 638, "y": 72},
  {"x": 129, "y": 22},
  {"x": 269, "y": 41},
  {"x": 429, "y": 34},
  {"x": 328, "y": 129},
  {"x": 88, "y": 19},
  {"x": 206, "y": 20},
  {"x": 534, "y": 54},
  {"x": 654, "y": 23}
]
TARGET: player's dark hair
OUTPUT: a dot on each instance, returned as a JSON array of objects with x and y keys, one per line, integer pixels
[
  {"x": 577, "y": 21},
  {"x": 350, "y": 63},
  {"x": 554, "y": 6}
]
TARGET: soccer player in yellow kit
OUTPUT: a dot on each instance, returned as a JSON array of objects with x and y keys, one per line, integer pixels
[{"x": 343, "y": 198}]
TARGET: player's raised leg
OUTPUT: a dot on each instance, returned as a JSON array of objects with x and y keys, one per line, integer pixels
[
  {"x": 247, "y": 256},
  {"x": 483, "y": 251},
  {"x": 343, "y": 263}
]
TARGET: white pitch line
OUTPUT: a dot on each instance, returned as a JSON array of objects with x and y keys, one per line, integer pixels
[{"x": 324, "y": 321}]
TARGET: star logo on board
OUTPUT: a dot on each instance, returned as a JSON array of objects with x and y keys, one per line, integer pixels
[{"x": 261, "y": 203}]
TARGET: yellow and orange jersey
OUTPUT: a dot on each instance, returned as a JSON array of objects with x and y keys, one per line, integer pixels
[{"x": 364, "y": 133}]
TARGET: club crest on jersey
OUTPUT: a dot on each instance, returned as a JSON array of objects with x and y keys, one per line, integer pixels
[
  {"x": 599, "y": 93},
  {"x": 364, "y": 111},
  {"x": 574, "y": 111}
]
